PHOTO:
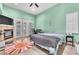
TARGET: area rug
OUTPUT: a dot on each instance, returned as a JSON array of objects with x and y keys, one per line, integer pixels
[{"x": 18, "y": 46}]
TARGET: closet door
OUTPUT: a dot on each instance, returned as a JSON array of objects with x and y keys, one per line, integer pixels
[
  {"x": 18, "y": 28},
  {"x": 24, "y": 28},
  {"x": 29, "y": 28},
  {"x": 72, "y": 22}
]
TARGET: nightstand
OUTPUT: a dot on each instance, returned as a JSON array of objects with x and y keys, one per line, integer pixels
[{"x": 70, "y": 37}]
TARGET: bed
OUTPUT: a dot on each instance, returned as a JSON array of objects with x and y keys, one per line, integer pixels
[{"x": 48, "y": 41}]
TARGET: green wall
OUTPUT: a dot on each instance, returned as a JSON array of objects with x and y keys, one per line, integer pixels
[
  {"x": 53, "y": 19},
  {"x": 0, "y": 8},
  {"x": 14, "y": 13}
]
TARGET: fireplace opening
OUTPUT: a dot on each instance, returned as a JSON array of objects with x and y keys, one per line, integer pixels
[{"x": 8, "y": 33}]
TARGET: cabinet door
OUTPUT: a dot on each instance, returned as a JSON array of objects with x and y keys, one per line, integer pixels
[{"x": 18, "y": 28}]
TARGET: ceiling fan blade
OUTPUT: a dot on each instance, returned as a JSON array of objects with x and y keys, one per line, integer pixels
[
  {"x": 36, "y": 5},
  {"x": 31, "y": 4}
]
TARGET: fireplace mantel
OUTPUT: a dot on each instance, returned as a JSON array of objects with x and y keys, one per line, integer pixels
[{"x": 2, "y": 31}]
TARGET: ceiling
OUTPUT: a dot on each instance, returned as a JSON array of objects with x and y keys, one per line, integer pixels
[{"x": 33, "y": 9}]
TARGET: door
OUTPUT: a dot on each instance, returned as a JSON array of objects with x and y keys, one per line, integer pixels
[
  {"x": 18, "y": 27},
  {"x": 24, "y": 28},
  {"x": 29, "y": 28}
]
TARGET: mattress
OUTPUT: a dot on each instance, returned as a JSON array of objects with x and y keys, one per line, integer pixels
[{"x": 46, "y": 40}]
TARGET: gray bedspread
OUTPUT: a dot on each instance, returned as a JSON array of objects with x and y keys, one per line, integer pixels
[{"x": 49, "y": 41}]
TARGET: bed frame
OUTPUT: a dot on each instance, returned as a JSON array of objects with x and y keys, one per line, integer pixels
[{"x": 50, "y": 49}]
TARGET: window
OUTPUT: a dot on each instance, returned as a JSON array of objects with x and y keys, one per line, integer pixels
[{"x": 72, "y": 22}]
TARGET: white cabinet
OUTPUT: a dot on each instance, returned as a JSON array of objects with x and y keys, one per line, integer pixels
[{"x": 22, "y": 27}]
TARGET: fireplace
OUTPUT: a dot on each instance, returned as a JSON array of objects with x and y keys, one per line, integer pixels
[{"x": 8, "y": 33}]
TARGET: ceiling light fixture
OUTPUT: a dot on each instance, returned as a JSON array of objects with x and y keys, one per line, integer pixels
[
  {"x": 33, "y": 8},
  {"x": 34, "y": 4}
]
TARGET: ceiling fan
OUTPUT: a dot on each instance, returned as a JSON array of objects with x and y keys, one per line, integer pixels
[{"x": 34, "y": 4}]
